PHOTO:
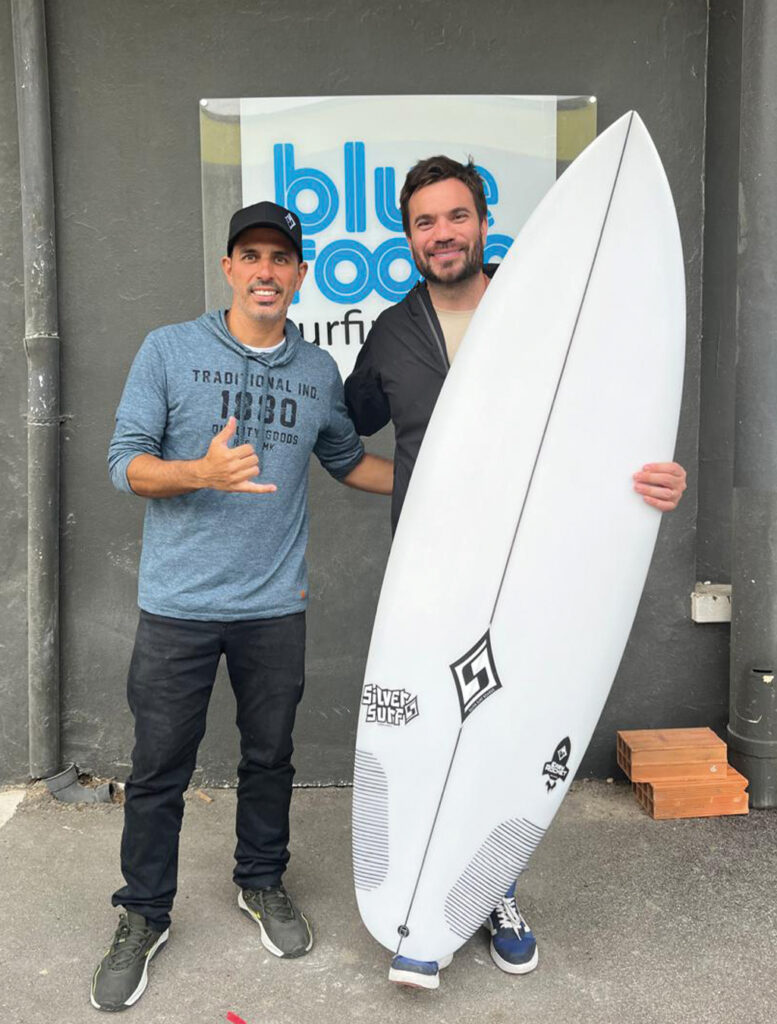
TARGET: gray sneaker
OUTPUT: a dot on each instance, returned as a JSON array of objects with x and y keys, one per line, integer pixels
[
  {"x": 285, "y": 931},
  {"x": 122, "y": 974}
]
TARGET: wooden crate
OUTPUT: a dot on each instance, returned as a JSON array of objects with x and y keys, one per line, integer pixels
[
  {"x": 694, "y": 798},
  {"x": 650, "y": 755}
]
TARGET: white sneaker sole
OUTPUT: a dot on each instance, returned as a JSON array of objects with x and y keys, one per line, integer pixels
[
  {"x": 132, "y": 999},
  {"x": 508, "y": 968},
  {"x": 411, "y": 979},
  {"x": 267, "y": 942}
]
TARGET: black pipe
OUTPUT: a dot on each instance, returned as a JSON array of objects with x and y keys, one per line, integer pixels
[
  {"x": 41, "y": 342},
  {"x": 752, "y": 730}
]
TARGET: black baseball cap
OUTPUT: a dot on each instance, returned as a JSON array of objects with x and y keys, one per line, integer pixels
[{"x": 266, "y": 215}]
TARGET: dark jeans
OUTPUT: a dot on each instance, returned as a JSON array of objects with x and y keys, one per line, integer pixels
[{"x": 170, "y": 680}]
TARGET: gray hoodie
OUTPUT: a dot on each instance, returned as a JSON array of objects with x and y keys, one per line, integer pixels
[{"x": 212, "y": 554}]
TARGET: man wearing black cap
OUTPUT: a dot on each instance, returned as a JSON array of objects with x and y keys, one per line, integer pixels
[{"x": 208, "y": 407}]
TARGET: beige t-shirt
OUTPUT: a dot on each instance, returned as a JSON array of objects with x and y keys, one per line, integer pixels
[{"x": 454, "y": 323}]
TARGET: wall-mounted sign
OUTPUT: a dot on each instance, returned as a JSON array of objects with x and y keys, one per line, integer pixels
[{"x": 339, "y": 164}]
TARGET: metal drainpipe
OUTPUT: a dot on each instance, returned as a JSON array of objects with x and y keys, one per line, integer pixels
[
  {"x": 752, "y": 730},
  {"x": 41, "y": 343}
]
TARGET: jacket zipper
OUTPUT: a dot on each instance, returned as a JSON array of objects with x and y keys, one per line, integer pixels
[{"x": 435, "y": 335}]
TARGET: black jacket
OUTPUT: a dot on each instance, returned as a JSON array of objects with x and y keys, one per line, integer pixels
[{"x": 398, "y": 376}]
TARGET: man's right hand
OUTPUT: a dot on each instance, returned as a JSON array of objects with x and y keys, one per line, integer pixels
[{"x": 231, "y": 469}]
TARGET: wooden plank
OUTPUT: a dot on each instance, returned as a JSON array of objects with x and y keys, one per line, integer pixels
[
  {"x": 645, "y": 755},
  {"x": 646, "y": 739},
  {"x": 693, "y": 798}
]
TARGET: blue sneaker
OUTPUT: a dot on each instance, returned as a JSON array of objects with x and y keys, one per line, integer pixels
[
  {"x": 418, "y": 973},
  {"x": 513, "y": 947}
]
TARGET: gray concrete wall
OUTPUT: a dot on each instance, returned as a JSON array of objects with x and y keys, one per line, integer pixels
[
  {"x": 126, "y": 78},
  {"x": 716, "y": 440}
]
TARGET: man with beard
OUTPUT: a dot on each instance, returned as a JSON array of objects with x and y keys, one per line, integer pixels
[{"x": 398, "y": 376}]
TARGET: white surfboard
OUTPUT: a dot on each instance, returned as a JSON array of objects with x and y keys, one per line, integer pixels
[{"x": 521, "y": 552}]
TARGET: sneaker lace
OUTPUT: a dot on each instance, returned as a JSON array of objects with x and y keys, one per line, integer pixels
[
  {"x": 276, "y": 902},
  {"x": 509, "y": 916},
  {"x": 127, "y": 943}
]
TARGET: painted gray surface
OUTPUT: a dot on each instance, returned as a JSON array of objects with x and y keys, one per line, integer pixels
[
  {"x": 13, "y": 450},
  {"x": 752, "y": 727},
  {"x": 41, "y": 345},
  {"x": 718, "y": 356},
  {"x": 126, "y": 79}
]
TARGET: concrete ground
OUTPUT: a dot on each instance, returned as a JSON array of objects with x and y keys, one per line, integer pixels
[{"x": 638, "y": 922}]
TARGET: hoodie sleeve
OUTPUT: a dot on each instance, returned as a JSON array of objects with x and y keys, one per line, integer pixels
[
  {"x": 142, "y": 414},
  {"x": 338, "y": 447},
  {"x": 365, "y": 398}
]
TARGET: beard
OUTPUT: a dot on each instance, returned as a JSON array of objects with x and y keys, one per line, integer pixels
[{"x": 473, "y": 264}]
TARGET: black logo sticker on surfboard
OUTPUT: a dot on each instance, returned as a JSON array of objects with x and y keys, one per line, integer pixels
[
  {"x": 475, "y": 676},
  {"x": 389, "y": 707},
  {"x": 556, "y": 769}
]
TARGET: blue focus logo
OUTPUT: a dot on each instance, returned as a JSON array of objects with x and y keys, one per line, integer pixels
[{"x": 346, "y": 270}]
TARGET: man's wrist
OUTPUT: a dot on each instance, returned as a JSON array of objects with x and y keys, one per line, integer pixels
[{"x": 197, "y": 473}]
